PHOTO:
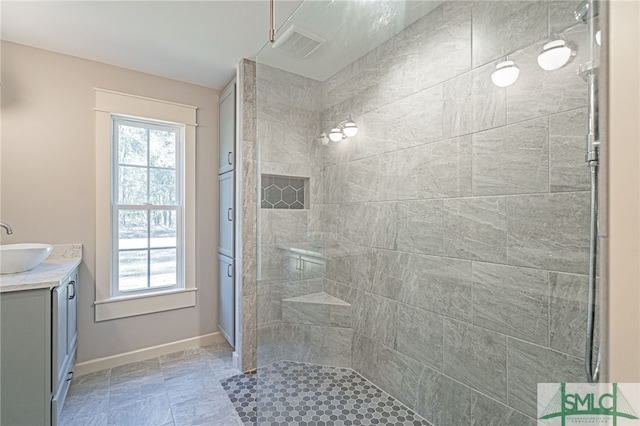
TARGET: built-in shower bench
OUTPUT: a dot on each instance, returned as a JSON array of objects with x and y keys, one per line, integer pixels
[{"x": 317, "y": 309}]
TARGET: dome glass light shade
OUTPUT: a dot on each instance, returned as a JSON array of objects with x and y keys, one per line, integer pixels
[
  {"x": 555, "y": 55},
  {"x": 599, "y": 38},
  {"x": 323, "y": 139},
  {"x": 506, "y": 74},
  {"x": 350, "y": 129},
  {"x": 336, "y": 135}
]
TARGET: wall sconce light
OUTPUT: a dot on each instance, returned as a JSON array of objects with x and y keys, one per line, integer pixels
[
  {"x": 506, "y": 74},
  {"x": 336, "y": 134},
  {"x": 555, "y": 54},
  {"x": 323, "y": 139},
  {"x": 342, "y": 130}
]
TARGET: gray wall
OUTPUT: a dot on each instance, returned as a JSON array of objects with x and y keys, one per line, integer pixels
[
  {"x": 48, "y": 182},
  {"x": 456, "y": 222},
  {"x": 462, "y": 212}
]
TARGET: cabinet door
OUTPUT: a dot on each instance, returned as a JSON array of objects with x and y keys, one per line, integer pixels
[
  {"x": 226, "y": 233},
  {"x": 226, "y": 299},
  {"x": 227, "y": 129},
  {"x": 59, "y": 338},
  {"x": 72, "y": 313}
]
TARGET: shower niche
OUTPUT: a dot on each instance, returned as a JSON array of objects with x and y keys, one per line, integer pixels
[{"x": 284, "y": 192}]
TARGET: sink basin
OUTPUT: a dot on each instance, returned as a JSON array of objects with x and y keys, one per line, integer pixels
[{"x": 16, "y": 258}]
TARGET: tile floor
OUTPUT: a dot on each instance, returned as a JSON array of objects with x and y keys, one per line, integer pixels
[
  {"x": 176, "y": 389},
  {"x": 290, "y": 393},
  {"x": 201, "y": 387}
]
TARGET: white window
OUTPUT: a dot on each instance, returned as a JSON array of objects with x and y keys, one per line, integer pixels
[{"x": 145, "y": 205}]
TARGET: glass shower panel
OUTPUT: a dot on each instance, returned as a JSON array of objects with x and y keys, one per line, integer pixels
[{"x": 449, "y": 234}]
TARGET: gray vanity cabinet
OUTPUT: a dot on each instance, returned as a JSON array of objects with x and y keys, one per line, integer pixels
[
  {"x": 64, "y": 338},
  {"x": 37, "y": 352}
]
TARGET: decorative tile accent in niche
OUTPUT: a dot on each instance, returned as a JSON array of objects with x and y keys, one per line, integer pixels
[{"x": 283, "y": 192}]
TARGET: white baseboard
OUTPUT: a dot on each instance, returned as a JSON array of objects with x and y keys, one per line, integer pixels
[{"x": 146, "y": 353}]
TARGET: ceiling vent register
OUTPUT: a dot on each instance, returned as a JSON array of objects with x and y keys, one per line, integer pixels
[{"x": 298, "y": 42}]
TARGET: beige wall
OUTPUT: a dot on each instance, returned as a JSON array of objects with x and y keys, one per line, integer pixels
[
  {"x": 623, "y": 358},
  {"x": 48, "y": 181}
]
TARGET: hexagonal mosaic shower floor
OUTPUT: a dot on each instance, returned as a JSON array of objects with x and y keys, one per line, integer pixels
[{"x": 291, "y": 393}]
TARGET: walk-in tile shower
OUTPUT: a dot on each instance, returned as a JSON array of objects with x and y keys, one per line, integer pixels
[{"x": 442, "y": 253}]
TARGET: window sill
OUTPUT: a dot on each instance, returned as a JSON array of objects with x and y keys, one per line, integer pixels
[{"x": 141, "y": 304}]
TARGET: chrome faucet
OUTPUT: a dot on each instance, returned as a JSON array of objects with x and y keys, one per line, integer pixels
[{"x": 6, "y": 227}]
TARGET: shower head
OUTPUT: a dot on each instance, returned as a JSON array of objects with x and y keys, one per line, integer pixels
[{"x": 582, "y": 12}]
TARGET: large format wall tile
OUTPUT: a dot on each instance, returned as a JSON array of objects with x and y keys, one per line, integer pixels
[
  {"x": 280, "y": 226},
  {"x": 531, "y": 364},
  {"x": 419, "y": 335},
  {"x": 568, "y": 312},
  {"x": 500, "y": 28},
  {"x": 568, "y": 170},
  {"x": 537, "y": 92},
  {"x": 561, "y": 15},
  {"x": 368, "y": 179},
  {"x": 273, "y": 265},
  {"x": 390, "y": 273},
  {"x": 369, "y": 224},
  {"x": 473, "y": 103},
  {"x": 437, "y": 284},
  {"x": 354, "y": 268},
  {"x": 442, "y": 401},
  {"x": 394, "y": 372},
  {"x": 420, "y": 227},
  {"x": 398, "y": 374},
  {"x": 352, "y": 80},
  {"x": 549, "y": 231},
  {"x": 364, "y": 352},
  {"x": 476, "y": 228},
  {"x": 334, "y": 182},
  {"x": 439, "y": 169},
  {"x": 411, "y": 121},
  {"x": 424, "y": 60},
  {"x": 317, "y": 344},
  {"x": 269, "y": 344},
  {"x": 512, "y": 159},
  {"x": 485, "y": 411},
  {"x": 272, "y": 96},
  {"x": 512, "y": 301},
  {"x": 375, "y": 317},
  {"x": 269, "y": 301},
  {"x": 476, "y": 357}
]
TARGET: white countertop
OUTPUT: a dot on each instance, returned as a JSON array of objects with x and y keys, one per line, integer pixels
[{"x": 63, "y": 260}]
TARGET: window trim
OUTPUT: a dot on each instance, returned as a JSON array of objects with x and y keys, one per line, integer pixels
[
  {"x": 178, "y": 207},
  {"x": 108, "y": 104}
]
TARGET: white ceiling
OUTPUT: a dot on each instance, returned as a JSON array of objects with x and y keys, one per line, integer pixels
[{"x": 201, "y": 42}]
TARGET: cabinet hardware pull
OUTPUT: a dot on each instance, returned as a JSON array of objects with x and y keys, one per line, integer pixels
[
  {"x": 230, "y": 214},
  {"x": 70, "y": 374},
  {"x": 72, "y": 284},
  {"x": 229, "y": 157},
  {"x": 230, "y": 270}
]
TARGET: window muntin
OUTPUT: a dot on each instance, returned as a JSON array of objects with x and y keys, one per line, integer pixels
[{"x": 147, "y": 206}]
